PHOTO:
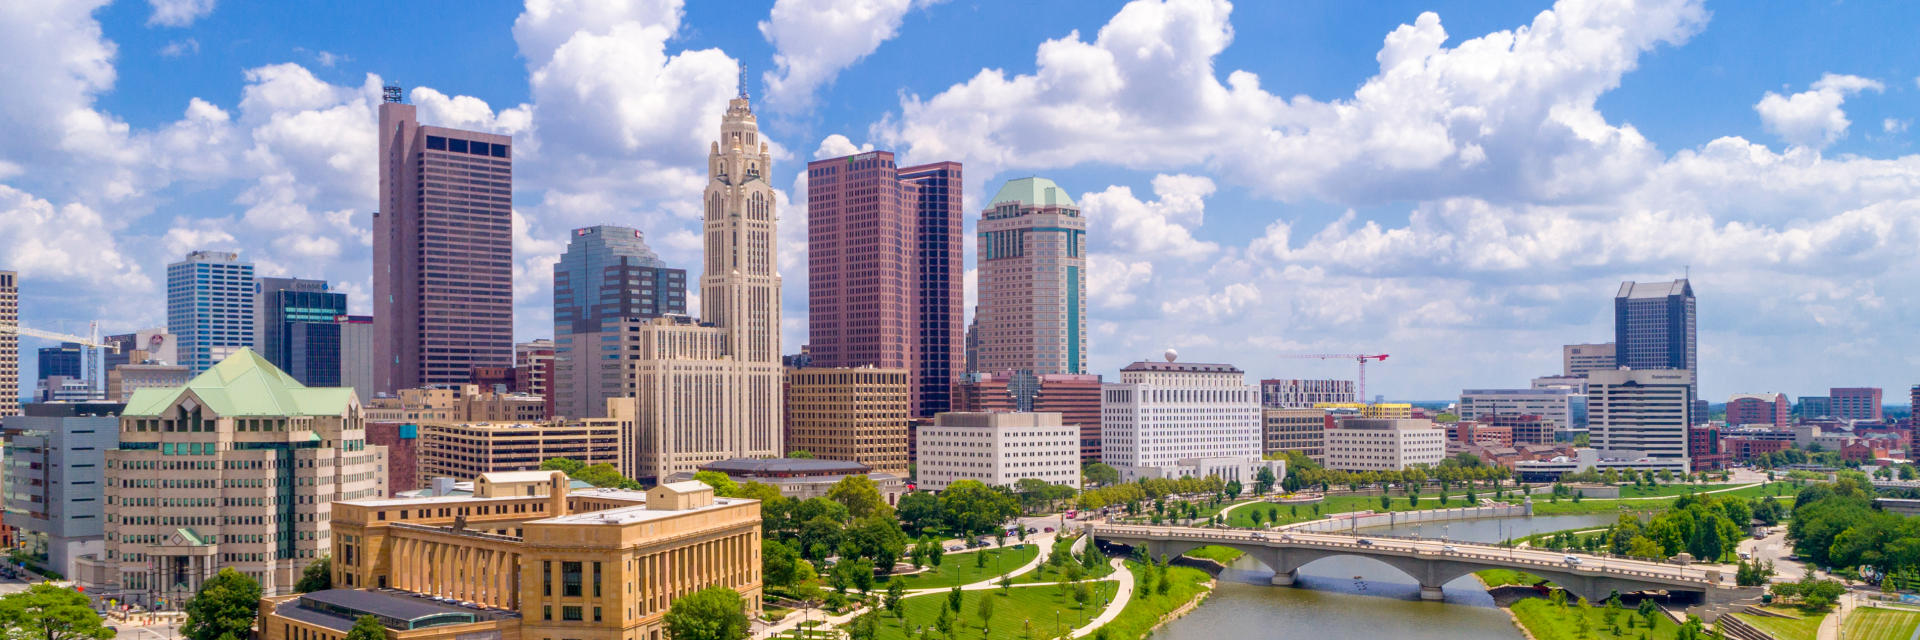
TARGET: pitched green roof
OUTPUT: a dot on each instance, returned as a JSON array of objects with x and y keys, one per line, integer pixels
[
  {"x": 245, "y": 384},
  {"x": 1039, "y": 192}
]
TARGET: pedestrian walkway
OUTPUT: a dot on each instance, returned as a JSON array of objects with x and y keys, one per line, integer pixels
[{"x": 1121, "y": 597}]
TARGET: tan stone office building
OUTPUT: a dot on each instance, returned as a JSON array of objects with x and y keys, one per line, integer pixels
[
  {"x": 466, "y": 450},
  {"x": 1302, "y": 430},
  {"x": 239, "y": 468},
  {"x": 525, "y": 558},
  {"x": 851, "y": 414}
]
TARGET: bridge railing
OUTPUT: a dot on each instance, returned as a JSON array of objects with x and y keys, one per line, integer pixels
[{"x": 1503, "y": 555}]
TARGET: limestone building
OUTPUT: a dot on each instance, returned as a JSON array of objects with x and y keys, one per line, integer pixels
[
  {"x": 1302, "y": 430},
  {"x": 239, "y": 468},
  {"x": 998, "y": 449},
  {"x": 523, "y": 557},
  {"x": 852, "y": 414},
  {"x": 467, "y": 450}
]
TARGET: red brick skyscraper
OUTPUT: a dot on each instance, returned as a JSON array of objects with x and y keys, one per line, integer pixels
[
  {"x": 442, "y": 252},
  {"x": 885, "y": 270}
]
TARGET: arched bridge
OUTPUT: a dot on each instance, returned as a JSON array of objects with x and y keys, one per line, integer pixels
[{"x": 1434, "y": 562}]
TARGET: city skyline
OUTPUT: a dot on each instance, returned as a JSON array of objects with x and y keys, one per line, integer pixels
[{"x": 1186, "y": 245}]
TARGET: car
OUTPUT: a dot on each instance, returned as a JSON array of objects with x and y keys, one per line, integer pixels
[
  {"x": 957, "y": 548},
  {"x": 1449, "y": 548},
  {"x": 1572, "y": 560},
  {"x": 1032, "y": 530},
  {"x": 1365, "y": 542},
  {"x": 1049, "y": 529},
  {"x": 1259, "y": 536},
  {"x": 1746, "y": 556},
  {"x": 1287, "y": 537},
  {"x": 975, "y": 544}
]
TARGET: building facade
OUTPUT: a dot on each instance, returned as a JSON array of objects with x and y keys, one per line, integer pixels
[
  {"x": 1759, "y": 409},
  {"x": 802, "y": 478},
  {"x": 55, "y": 470},
  {"x": 1032, "y": 264},
  {"x": 533, "y": 558},
  {"x": 239, "y": 468},
  {"x": 464, "y": 451},
  {"x": 1304, "y": 394},
  {"x": 1293, "y": 429},
  {"x": 442, "y": 251},
  {"x": 1560, "y": 408},
  {"x": 124, "y": 380},
  {"x": 1163, "y": 417},
  {"x": 851, "y": 414},
  {"x": 1654, "y": 327},
  {"x": 210, "y": 307},
  {"x": 1075, "y": 396},
  {"x": 297, "y": 328},
  {"x": 356, "y": 354},
  {"x": 9, "y": 345},
  {"x": 1641, "y": 413},
  {"x": 63, "y": 360},
  {"x": 885, "y": 278},
  {"x": 1384, "y": 444},
  {"x": 533, "y": 370},
  {"x": 998, "y": 449},
  {"x": 1856, "y": 403},
  {"x": 608, "y": 274},
  {"x": 1579, "y": 359}
]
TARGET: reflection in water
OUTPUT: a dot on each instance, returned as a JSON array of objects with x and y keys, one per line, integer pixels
[{"x": 1328, "y": 602}]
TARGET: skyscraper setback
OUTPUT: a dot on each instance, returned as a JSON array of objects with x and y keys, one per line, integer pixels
[
  {"x": 442, "y": 251},
  {"x": 885, "y": 270},
  {"x": 1033, "y": 281},
  {"x": 210, "y": 307}
]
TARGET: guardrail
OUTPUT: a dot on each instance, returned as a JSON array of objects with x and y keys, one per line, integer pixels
[{"x": 1500, "y": 555}]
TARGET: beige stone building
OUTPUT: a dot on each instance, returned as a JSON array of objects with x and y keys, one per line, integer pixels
[
  {"x": 239, "y": 468},
  {"x": 9, "y": 345},
  {"x": 466, "y": 450},
  {"x": 854, "y": 414},
  {"x": 1302, "y": 430},
  {"x": 456, "y": 404},
  {"x": 525, "y": 558}
]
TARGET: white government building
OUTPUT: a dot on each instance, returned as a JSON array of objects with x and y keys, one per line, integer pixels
[
  {"x": 1384, "y": 444},
  {"x": 997, "y": 448},
  {"x": 1179, "y": 419}
]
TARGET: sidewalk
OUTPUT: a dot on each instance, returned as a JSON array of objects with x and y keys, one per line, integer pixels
[{"x": 1121, "y": 597}]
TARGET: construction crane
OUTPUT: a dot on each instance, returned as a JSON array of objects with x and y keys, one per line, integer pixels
[
  {"x": 1360, "y": 392},
  {"x": 90, "y": 342}
]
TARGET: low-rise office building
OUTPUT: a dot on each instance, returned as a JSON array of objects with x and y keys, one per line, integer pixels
[
  {"x": 1180, "y": 419},
  {"x": 125, "y": 379},
  {"x": 456, "y": 404},
  {"x": 1558, "y": 408},
  {"x": 1382, "y": 410},
  {"x": 1384, "y": 444},
  {"x": 466, "y": 450},
  {"x": 55, "y": 474},
  {"x": 998, "y": 449},
  {"x": 1302, "y": 430},
  {"x": 524, "y": 557},
  {"x": 855, "y": 414},
  {"x": 801, "y": 478}
]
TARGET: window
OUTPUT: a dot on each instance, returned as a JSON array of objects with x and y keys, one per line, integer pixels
[
  {"x": 546, "y": 578},
  {"x": 570, "y": 580},
  {"x": 570, "y": 613}
]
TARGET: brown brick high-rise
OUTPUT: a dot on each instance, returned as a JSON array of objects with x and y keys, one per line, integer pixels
[{"x": 442, "y": 252}]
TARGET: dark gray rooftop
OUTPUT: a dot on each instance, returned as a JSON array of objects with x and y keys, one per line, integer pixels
[
  {"x": 764, "y": 466},
  {"x": 385, "y": 604}
]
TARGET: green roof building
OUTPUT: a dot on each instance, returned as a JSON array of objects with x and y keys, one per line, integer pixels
[
  {"x": 239, "y": 468},
  {"x": 1032, "y": 313}
]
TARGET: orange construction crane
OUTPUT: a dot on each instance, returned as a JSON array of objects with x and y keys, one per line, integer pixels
[{"x": 1360, "y": 392}]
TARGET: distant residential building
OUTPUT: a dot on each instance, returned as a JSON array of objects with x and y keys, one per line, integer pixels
[
  {"x": 608, "y": 274},
  {"x": 1558, "y": 406},
  {"x": 1294, "y": 429},
  {"x": 1384, "y": 444},
  {"x": 1524, "y": 428},
  {"x": 1704, "y": 451},
  {"x": 998, "y": 449},
  {"x": 442, "y": 251},
  {"x": 465, "y": 450},
  {"x": 1641, "y": 413},
  {"x": 495, "y": 378},
  {"x": 1032, "y": 265},
  {"x": 56, "y": 470},
  {"x": 885, "y": 270},
  {"x": 1293, "y": 393},
  {"x": 1579, "y": 359},
  {"x": 1759, "y": 408},
  {"x": 9, "y": 345},
  {"x": 533, "y": 370},
  {"x": 525, "y": 557},
  {"x": 210, "y": 307},
  {"x": 802, "y": 478},
  {"x": 1654, "y": 327},
  {"x": 852, "y": 414},
  {"x": 124, "y": 380},
  {"x": 1746, "y": 447},
  {"x": 1913, "y": 406},
  {"x": 1174, "y": 419},
  {"x": 1075, "y": 396},
  {"x": 297, "y": 328},
  {"x": 1468, "y": 432},
  {"x": 64, "y": 360},
  {"x": 176, "y": 511},
  {"x": 1856, "y": 403}
]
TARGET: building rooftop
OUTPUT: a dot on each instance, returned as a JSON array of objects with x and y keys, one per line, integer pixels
[
  {"x": 245, "y": 384},
  {"x": 783, "y": 466},
  {"x": 1645, "y": 290},
  {"x": 1187, "y": 367},
  {"x": 638, "y": 513},
  {"x": 338, "y": 608},
  {"x": 1036, "y": 191}
]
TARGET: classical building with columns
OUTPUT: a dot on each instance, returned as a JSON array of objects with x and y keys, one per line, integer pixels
[{"x": 524, "y": 557}]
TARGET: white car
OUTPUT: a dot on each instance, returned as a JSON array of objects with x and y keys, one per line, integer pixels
[
  {"x": 1572, "y": 560},
  {"x": 1449, "y": 548}
]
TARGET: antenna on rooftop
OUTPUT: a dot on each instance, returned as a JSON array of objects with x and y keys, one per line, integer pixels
[
  {"x": 390, "y": 93},
  {"x": 743, "y": 81}
]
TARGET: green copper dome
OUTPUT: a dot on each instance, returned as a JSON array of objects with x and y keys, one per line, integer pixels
[{"x": 1039, "y": 192}]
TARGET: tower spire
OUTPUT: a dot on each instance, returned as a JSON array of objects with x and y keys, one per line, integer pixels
[{"x": 743, "y": 81}]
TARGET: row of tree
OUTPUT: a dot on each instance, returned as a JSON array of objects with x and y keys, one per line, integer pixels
[
  {"x": 1706, "y": 526},
  {"x": 1837, "y": 525}
]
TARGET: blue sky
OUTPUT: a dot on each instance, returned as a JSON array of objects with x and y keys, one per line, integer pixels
[{"x": 1461, "y": 184}]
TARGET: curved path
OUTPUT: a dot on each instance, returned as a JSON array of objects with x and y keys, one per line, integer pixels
[{"x": 1121, "y": 597}]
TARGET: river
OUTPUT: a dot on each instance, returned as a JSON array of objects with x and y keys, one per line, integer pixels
[{"x": 1348, "y": 597}]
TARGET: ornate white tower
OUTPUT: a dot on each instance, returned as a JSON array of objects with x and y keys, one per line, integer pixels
[{"x": 740, "y": 287}]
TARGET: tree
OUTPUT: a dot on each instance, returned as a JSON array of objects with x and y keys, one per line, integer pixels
[
  {"x": 877, "y": 538},
  {"x": 47, "y": 612},
  {"x": 860, "y": 495},
  {"x": 779, "y": 563},
  {"x": 225, "y": 604},
  {"x": 801, "y": 454},
  {"x": 954, "y": 598},
  {"x": 920, "y": 511},
  {"x": 713, "y": 613},
  {"x": 318, "y": 576},
  {"x": 975, "y": 509},
  {"x": 1386, "y": 503},
  {"x": 367, "y": 628},
  {"x": 985, "y": 609},
  {"x": 896, "y": 597},
  {"x": 1101, "y": 474},
  {"x": 722, "y": 485},
  {"x": 1263, "y": 480}
]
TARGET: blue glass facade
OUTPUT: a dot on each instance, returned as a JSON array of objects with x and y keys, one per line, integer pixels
[
  {"x": 210, "y": 307},
  {"x": 299, "y": 329},
  {"x": 609, "y": 272}
]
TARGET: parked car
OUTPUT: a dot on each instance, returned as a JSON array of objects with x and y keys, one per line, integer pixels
[
  {"x": 1049, "y": 529},
  {"x": 1746, "y": 556},
  {"x": 957, "y": 548}
]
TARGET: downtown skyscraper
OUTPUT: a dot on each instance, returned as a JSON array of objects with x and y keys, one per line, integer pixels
[
  {"x": 608, "y": 274},
  {"x": 1032, "y": 312},
  {"x": 442, "y": 252},
  {"x": 885, "y": 270},
  {"x": 298, "y": 328},
  {"x": 1654, "y": 328},
  {"x": 210, "y": 307},
  {"x": 9, "y": 345}
]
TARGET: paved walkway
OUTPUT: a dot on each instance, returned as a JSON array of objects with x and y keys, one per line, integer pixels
[
  {"x": 1046, "y": 549},
  {"x": 1121, "y": 597},
  {"x": 1830, "y": 625}
]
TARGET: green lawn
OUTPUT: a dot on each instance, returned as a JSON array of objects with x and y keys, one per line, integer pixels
[
  {"x": 1544, "y": 506},
  {"x": 1804, "y": 627},
  {"x": 1222, "y": 555},
  {"x": 1049, "y": 572},
  {"x": 1549, "y": 622},
  {"x": 962, "y": 568},
  {"x": 1046, "y": 607},
  {"x": 1676, "y": 489},
  {"x": 1141, "y": 614},
  {"x": 1291, "y": 513},
  {"x": 1877, "y": 623},
  {"x": 1500, "y": 577}
]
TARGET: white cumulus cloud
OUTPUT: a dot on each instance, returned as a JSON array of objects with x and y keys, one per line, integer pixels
[
  {"x": 814, "y": 39},
  {"x": 1813, "y": 118}
]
